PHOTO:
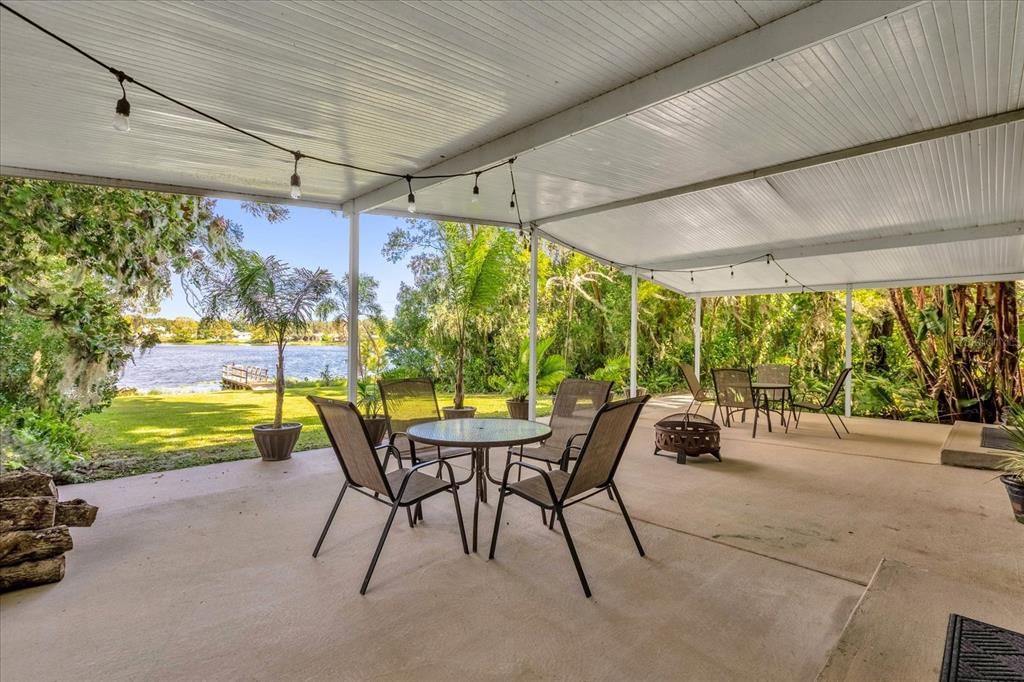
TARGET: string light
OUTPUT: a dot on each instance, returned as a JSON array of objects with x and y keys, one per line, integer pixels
[
  {"x": 476, "y": 189},
  {"x": 296, "y": 192},
  {"x": 123, "y": 108},
  {"x": 691, "y": 276},
  {"x": 412, "y": 197},
  {"x": 731, "y": 273},
  {"x": 122, "y": 112}
]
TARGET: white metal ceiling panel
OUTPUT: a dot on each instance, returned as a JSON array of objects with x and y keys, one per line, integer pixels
[{"x": 392, "y": 85}]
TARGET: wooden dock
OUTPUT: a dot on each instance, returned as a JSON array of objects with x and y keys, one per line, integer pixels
[{"x": 243, "y": 377}]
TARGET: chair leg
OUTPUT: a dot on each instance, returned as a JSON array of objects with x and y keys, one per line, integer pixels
[
  {"x": 380, "y": 546},
  {"x": 714, "y": 412},
  {"x": 625, "y": 515},
  {"x": 832, "y": 424},
  {"x": 572, "y": 551},
  {"x": 756, "y": 413},
  {"x": 768, "y": 414},
  {"x": 840, "y": 418},
  {"x": 412, "y": 522},
  {"x": 330, "y": 519},
  {"x": 458, "y": 515},
  {"x": 497, "y": 520}
]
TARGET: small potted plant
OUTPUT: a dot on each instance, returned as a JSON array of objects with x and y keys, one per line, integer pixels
[
  {"x": 1013, "y": 466},
  {"x": 550, "y": 372},
  {"x": 278, "y": 301},
  {"x": 369, "y": 404}
]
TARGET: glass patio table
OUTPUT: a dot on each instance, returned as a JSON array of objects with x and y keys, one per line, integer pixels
[
  {"x": 787, "y": 396},
  {"x": 479, "y": 435}
]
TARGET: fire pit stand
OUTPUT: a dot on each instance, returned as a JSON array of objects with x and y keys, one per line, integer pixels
[{"x": 687, "y": 435}]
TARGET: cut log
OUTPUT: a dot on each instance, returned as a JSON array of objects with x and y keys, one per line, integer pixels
[
  {"x": 75, "y": 513},
  {"x": 28, "y": 513},
  {"x": 27, "y": 484},
  {"x": 19, "y": 546},
  {"x": 31, "y": 573}
]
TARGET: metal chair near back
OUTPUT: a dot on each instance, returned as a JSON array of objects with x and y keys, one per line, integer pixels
[
  {"x": 408, "y": 402},
  {"x": 699, "y": 395},
  {"x": 826, "y": 405},
  {"x": 773, "y": 374},
  {"x": 735, "y": 393},
  {"x": 366, "y": 474},
  {"x": 577, "y": 402},
  {"x": 594, "y": 472}
]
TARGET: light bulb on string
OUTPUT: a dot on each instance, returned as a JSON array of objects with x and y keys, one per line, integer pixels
[
  {"x": 731, "y": 273},
  {"x": 787, "y": 279},
  {"x": 412, "y": 197},
  {"x": 512, "y": 203},
  {"x": 476, "y": 189},
  {"x": 296, "y": 189},
  {"x": 768, "y": 259},
  {"x": 123, "y": 108},
  {"x": 691, "y": 276}
]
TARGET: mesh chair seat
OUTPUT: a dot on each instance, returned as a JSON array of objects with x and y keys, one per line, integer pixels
[
  {"x": 425, "y": 453},
  {"x": 546, "y": 451},
  {"x": 536, "y": 490},
  {"x": 420, "y": 485}
]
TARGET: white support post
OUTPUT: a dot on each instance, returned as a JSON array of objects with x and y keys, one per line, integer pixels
[
  {"x": 697, "y": 334},
  {"x": 848, "y": 400},
  {"x": 633, "y": 310},
  {"x": 353, "y": 302},
  {"x": 533, "y": 325}
]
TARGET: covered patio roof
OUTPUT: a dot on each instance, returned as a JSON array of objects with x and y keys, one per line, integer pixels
[{"x": 863, "y": 143}]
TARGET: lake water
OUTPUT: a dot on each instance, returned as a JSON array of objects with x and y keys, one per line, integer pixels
[{"x": 185, "y": 367}]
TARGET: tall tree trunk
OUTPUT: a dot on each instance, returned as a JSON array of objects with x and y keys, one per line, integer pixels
[
  {"x": 279, "y": 383},
  {"x": 460, "y": 365},
  {"x": 923, "y": 368}
]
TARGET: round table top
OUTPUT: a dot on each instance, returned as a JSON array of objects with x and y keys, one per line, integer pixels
[
  {"x": 758, "y": 384},
  {"x": 479, "y": 433}
]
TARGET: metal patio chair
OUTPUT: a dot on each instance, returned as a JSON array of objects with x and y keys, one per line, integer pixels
[
  {"x": 577, "y": 402},
  {"x": 592, "y": 474},
  {"x": 365, "y": 473},
  {"x": 700, "y": 396},
  {"x": 734, "y": 393},
  {"x": 774, "y": 374},
  {"x": 414, "y": 401},
  {"x": 826, "y": 405}
]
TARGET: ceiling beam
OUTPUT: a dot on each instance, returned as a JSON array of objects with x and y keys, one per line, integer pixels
[
  {"x": 919, "y": 137},
  {"x": 167, "y": 188},
  {"x": 835, "y": 248},
  {"x": 878, "y": 284},
  {"x": 788, "y": 34}
]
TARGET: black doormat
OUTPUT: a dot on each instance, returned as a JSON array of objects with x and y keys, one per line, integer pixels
[
  {"x": 996, "y": 438},
  {"x": 977, "y": 651}
]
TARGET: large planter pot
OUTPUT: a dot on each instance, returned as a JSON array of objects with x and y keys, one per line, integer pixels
[
  {"x": 276, "y": 444},
  {"x": 518, "y": 409},
  {"x": 376, "y": 427},
  {"x": 1015, "y": 489},
  {"x": 458, "y": 412}
]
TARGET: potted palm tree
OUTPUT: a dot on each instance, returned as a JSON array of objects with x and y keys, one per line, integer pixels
[
  {"x": 550, "y": 372},
  {"x": 1013, "y": 466},
  {"x": 368, "y": 402},
  {"x": 278, "y": 300}
]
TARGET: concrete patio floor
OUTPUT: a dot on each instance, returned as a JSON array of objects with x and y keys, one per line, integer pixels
[{"x": 799, "y": 556}]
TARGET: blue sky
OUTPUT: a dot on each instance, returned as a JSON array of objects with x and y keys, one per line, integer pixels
[{"x": 312, "y": 238}]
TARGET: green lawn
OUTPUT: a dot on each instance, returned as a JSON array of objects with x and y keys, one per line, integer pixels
[{"x": 144, "y": 433}]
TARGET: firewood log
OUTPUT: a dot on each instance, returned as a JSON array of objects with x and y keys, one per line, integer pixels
[
  {"x": 75, "y": 513},
  {"x": 28, "y": 513},
  {"x": 19, "y": 546},
  {"x": 31, "y": 573},
  {"x": 27, "y": 484}
]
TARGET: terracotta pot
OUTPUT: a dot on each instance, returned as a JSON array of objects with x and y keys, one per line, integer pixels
[
  {"x": 376, "y": 427},
  {"x": 518, "y": 409},
  {"x": 458, "y": 413},
  {"x": 276, "y": 444},
  {"x": 1015, "y": 489}
]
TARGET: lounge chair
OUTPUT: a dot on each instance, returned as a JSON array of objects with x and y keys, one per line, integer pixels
[
  {"x": 594, "y": 472},
  {"x": 365, "y": 473},
  {"x": 700, "y": 396}
]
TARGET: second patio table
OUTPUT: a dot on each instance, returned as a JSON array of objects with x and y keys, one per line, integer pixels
[{"x": 480, "y": 435}]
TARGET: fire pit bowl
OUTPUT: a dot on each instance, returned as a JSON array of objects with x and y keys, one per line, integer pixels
[{"x": 687, "y": 435}]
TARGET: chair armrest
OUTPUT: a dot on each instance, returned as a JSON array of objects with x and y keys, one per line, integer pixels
[
  {"x": 391, "y": 449},
  {"x": 568, "y": 443},
  {"x": 531, "y": 467},
  {"x": 412, "y": 444},
  {"x": 413, "y": 469}
]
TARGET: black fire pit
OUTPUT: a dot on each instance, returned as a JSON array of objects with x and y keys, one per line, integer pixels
[{"x": 687, "y": 435}]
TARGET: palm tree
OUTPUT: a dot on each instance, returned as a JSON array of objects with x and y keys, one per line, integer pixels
[
  {"x": 576, "y": 283},
  {"x": 268, "y": 295},
  {"x": 473, "y": 280}
]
